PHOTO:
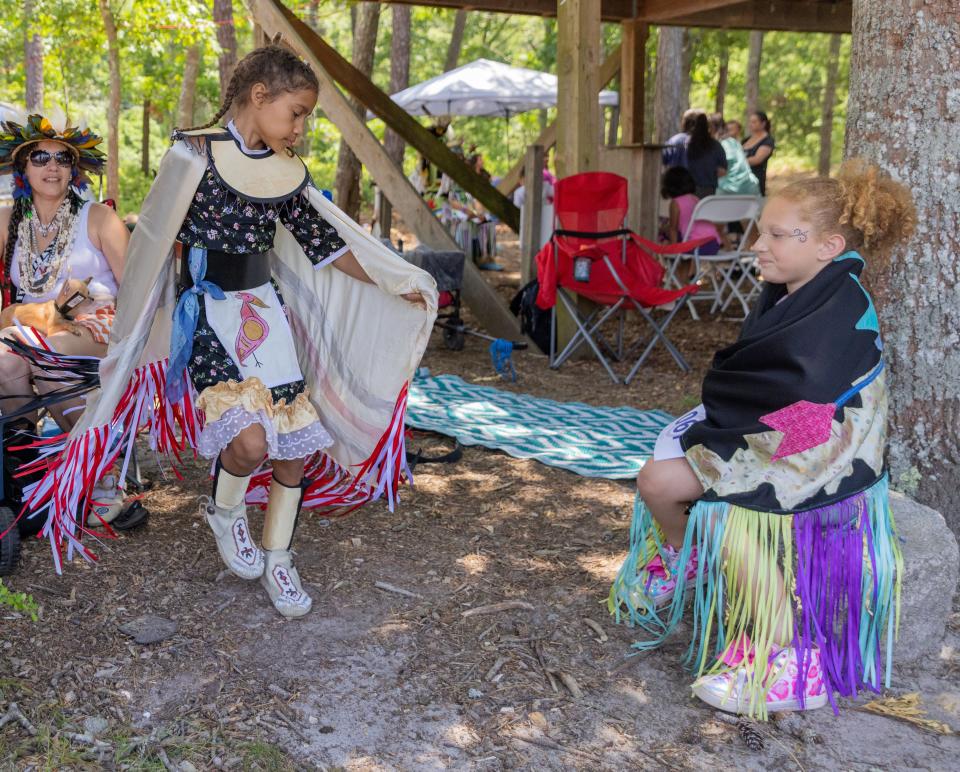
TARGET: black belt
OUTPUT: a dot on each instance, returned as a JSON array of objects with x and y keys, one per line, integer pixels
[{"x": 231, "y": 273}]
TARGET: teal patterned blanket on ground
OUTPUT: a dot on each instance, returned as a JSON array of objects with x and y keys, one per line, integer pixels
[{"x": 609, "y": 442}]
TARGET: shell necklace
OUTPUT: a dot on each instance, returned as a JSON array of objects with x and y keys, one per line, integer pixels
[{"x": 40, "y": 269}]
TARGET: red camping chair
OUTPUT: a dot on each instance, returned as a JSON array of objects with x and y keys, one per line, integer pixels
[{"x": 592, "y": 254}]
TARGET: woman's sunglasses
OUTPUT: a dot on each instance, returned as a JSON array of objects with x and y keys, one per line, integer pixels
[{"x": 41, "y": 158}]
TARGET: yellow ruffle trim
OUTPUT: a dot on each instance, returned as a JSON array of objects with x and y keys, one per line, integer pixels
[
  {"x": 297, "y": 415},
  {"x": 253, "y": 396}
]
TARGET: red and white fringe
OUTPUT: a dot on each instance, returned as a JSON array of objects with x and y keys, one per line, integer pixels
[
  {"x": 73, "y": 465},
  {"x": 332, "y": 487}
]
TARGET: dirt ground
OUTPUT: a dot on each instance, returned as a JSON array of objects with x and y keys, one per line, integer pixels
[{"x": 401, "y": 678}]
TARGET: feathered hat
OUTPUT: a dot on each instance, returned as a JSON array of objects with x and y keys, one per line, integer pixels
[{"x": 15, "y": 137}]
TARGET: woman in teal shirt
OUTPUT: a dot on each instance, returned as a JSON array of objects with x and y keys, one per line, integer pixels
[{"x": 739, "y": 179}]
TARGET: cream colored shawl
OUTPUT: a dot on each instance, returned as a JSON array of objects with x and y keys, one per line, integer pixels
[{"x": 357, "y": 343}]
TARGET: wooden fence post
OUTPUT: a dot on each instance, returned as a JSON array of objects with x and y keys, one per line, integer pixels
[{"x": 531, "y": 212}]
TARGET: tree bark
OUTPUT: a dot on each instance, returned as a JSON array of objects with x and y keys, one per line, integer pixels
[
  {"x": 724, "y": 71},
  {"x": 227, "y": 38},
  {"x": 456, "y": 41},
  {"x": 188, "y": 88},
  {"x": 686, "y": 65},
  {"x": 903, "y": 78},
  {"x": 33, "y": 61},
  {"x": 829, "y": 101},
  {"x": 348, "y": 166},
  {"x": 312, "y": 14},
  {"x": 753, "y": 71},
  {"x": 145, "y": 138},
  {"x": 668, "y": 101},
  {"x": 399, "y": 80},
  {"x": 113, "y": 104}
]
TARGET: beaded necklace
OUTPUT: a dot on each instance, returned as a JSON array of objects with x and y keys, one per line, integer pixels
[{"x": 40, "y": 269}]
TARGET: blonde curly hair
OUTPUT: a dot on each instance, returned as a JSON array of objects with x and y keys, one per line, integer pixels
[{"x": 861, "y": 203}]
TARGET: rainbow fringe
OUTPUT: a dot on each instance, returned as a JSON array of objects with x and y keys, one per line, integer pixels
[{"x": 841, "y": 567}]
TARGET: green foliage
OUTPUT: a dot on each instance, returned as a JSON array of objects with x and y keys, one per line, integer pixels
[
  {"x": 18, "y": 601},
  {"x": 792, "y": 78},
  {"x": 154, "y": 35}
]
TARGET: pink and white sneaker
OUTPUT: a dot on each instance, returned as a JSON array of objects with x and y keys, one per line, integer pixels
[
  {"x": 660, "y": 576},
  {"x": 729, "y": 691}
]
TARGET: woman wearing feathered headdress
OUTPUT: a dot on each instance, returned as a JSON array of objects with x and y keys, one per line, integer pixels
[{"x": 48, "y": 236}]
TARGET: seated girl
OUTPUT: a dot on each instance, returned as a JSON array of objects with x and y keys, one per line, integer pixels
[
  {"x": 677, "y": 185},
  {"x": 768, "y": 503}
]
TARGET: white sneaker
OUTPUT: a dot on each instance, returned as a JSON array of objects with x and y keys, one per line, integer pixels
[
  {"x": 730, "y": 692},
  {"x": 106, "y": 502},
  {"x": 282, "y": 583},
  {"x": 232, "y": 532}
]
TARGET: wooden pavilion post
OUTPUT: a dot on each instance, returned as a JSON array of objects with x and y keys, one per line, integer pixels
[
  {"x": 578, "y": 109},
  {"x": 633, "y": 45},
  {"x": 578, "y": 63}
]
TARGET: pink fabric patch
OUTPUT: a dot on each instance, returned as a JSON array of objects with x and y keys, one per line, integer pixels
[{"x": 804, "y": 425}]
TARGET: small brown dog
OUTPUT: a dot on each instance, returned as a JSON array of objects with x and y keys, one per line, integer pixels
[{"x": 47, "y": 316}]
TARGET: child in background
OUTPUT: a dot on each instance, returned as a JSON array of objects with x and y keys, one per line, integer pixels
[{"x": 677, "y": 185}]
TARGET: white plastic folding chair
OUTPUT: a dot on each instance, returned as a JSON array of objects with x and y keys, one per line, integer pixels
[{"x": 731, "y": 273}]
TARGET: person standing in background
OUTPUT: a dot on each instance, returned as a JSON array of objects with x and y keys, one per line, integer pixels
[
  {"x": 706, "y": 159},
  {"x": 758, "y": 147}
]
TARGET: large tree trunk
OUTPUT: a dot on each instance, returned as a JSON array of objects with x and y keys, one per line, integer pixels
[
  {"x": 348, "y": 166},
  {"x": 904, "y": 64},
  {"x": 724, "y": 71},
  {"x": 753, "y": 71},
  {"x": 399, "y": 80},
  {"x": 826, "y": 110},
  {"x": 668, "y": 101},
  {"x": 456, "y": 41},
  {"x": 188, "y": 88},
  {"x": 113, "y": 104},
  {"x": 33, "y": 61},
  {"x": 227, "y": 38}
]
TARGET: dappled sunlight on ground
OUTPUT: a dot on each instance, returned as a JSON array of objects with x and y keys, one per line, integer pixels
[{"x": 403, "y": 677}]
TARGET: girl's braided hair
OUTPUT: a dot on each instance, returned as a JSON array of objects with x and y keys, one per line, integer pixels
[
  {"x": 276, "y": 67},
  {"x": 862, "y": 203}
]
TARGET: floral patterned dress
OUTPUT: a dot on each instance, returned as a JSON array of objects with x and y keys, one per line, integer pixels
[{"x": 220, "y": 220}]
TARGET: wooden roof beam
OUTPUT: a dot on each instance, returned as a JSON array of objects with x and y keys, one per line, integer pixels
[
  {"x": 786, "y": 15},
  {"x": 654, "y": 11},
  {"x": 610, "y": 10}
]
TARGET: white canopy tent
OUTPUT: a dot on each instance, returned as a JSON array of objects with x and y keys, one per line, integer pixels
[{"x": 486, "y": 88}]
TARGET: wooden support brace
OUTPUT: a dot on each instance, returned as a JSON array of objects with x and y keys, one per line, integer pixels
[
  {"x": 368, "y": 94},
  {"x": 482, "y": 299}
]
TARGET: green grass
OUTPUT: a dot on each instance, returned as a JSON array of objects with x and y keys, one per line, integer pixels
[{"x": 51, "y": 752}]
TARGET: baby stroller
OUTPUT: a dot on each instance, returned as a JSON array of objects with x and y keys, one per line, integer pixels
[
  {"x": 447, "y": 270},
  {"x": 18, "y": 432},
  {"x": 446, "y": 267}
]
